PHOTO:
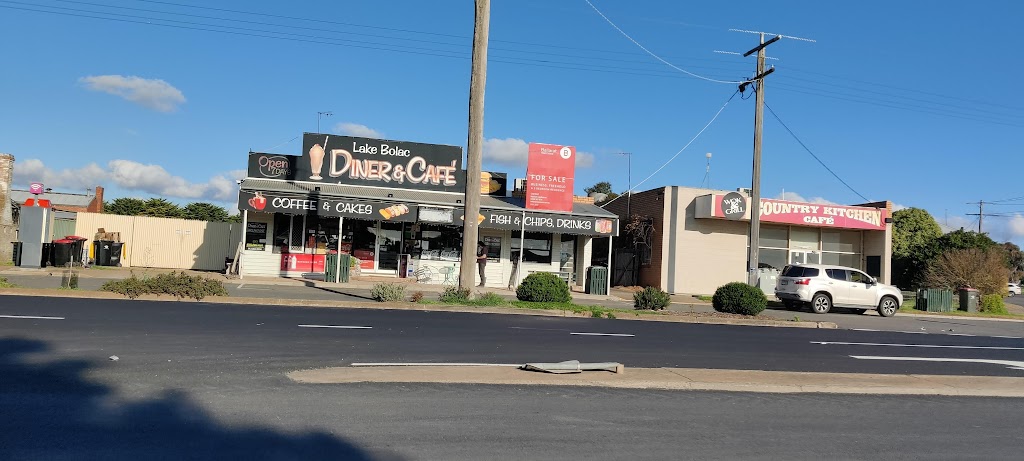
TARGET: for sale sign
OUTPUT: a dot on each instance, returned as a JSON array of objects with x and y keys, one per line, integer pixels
[{"x": 550, "y": 171}]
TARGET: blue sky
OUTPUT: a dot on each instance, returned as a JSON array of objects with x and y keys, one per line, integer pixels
[{"x": 904, "y": 102}]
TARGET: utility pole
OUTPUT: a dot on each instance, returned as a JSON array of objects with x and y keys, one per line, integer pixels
[
  {"x": 980, "y": 214},
  {"x": 474, "y": 157},
  {"x": 755, "y": 189}
]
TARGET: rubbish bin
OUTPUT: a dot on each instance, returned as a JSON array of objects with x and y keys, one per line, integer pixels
[
  {"x": 16, "y": 254},
  {"x": 47, "y": 257},
  {"x": 115, "y": 253},
  {"x": 934, "y": 300},
  {"x": 62, "y": 252},
  {"x": 77, "y": 245},
  {"x": 969, "y": 299},
  {"x": 597, "y": 280},
  {"x": 331, "y": 273},
  {"x": 346, "y": 268},
  {"x": 101, "y": 248}
]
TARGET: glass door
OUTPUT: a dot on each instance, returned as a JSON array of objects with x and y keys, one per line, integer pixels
[{"x": 389, "y": 245}]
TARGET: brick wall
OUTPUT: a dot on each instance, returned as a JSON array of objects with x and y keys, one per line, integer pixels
[{"x": 649, "y": 204}]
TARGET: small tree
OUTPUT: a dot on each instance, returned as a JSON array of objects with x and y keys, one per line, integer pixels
[
  {"x": 162, "y": 208},
  {"x": 125, "y": 206},
  {"x": 203, "y": 211},
  {"x": 603, "y": 187},
  {"x": 984, "y": 269}
]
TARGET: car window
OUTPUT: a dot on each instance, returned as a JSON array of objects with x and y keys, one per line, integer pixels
[
  {"x": 793, "y": 271},
  {"x": 837, "y": 274},
  {"x": 859, "y": 277},
  {"x": 810, "y": 272}
]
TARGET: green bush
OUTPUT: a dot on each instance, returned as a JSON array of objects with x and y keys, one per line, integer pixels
[
  {"x": 4, "y": 283},
  {"x": 177, "y": 284},
  {"x": 651, "y": 298},
  {"x": 739, "y": 298},
  {"x": 543, "y": 287},
  {"x": 489, "y": 299},
  {"x": 417, "y": 296},
  {"x": 385, "y": 292},
  {"x": 453, "y": 295},
  {"x": 993, "y": 304}
]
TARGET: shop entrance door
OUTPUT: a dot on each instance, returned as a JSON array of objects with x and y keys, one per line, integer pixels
[{"x": 389, "y": 245}]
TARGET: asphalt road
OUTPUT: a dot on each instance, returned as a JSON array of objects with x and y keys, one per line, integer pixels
[
  {"x": 205, "y": 381},
  {"x": 844, "y": 318}
]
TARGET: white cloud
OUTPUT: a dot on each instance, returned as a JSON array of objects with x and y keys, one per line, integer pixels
[
  {"x": 130, "y": 175},
  {"x": 515, "y": 151},
  {"x": 1016, "y": 226},
  {"x": 795, "y": 197},
  {"x": 355, "y": 129},
  {"x": 152, "y": 93},
  {"x": 898, "y": 207}
]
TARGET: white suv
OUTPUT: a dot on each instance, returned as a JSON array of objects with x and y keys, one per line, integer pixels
[
  {"x": 824, "y": 286},
  {"x": 1013, "y": 289}
]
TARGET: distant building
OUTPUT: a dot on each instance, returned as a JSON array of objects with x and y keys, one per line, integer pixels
[{"x": 64, "y": 201}]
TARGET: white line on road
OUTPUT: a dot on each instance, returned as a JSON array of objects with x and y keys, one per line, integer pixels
[
  {"x": 603, "y": 334},
  {"x": 30, "y": 317},
  {"x": 1012, "y": 364},
  {"x": 931, "y": 346},
  {"x": 435, "y": 364},
  {"x": 344, "y": 327}
]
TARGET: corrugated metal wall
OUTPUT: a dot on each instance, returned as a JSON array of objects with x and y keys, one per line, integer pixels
[
  {"x": 166, "y": 243},
  {"x": 63, "y": 228}
]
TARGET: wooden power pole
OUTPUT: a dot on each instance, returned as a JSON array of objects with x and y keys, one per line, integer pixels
[{"x": 474, "y": 157}]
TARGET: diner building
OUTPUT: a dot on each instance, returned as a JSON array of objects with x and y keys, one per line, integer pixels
[{"x": 397, "y": 207}]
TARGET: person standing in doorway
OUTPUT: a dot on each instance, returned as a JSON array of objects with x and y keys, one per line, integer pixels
[{"x": 481, "y": 261}]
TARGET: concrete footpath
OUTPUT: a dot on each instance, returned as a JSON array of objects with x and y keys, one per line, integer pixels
[{"x": 679, "y": 379}]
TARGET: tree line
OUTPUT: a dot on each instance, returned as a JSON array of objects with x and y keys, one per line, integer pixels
[
  {"x": 924, "y": 256},
  {"x": 163, "y": 208}
]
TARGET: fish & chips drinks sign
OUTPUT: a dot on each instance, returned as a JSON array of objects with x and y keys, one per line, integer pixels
[{"x": 368, "y": 162}]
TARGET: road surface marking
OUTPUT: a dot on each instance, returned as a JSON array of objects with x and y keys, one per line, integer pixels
[
  {"x": 932, "y": 346},
  {"x": 1007, "y": 337},
  {"x": 1012, "y": 364},
  {"x": 433, "y": 364},
  {"x": 30, "y": 317},
  {"x": 344, "y": 327},
  {"x": 949, "y": 334},
  {"x": 865, "y": 329},
  {"x": 603, "y": 334}
]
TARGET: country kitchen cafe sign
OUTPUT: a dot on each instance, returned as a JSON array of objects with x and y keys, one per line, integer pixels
[
  {"x": 796, "y": 213},
  {"x": 336, "y": 159}
]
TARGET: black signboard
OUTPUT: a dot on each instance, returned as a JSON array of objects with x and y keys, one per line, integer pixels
[
  {"x": 255, "y": 236},
  {"x": 364, "y": 161},
  {"x": 323, "y": 206},
  {"x": 543, "y": 222},
  {"x": 734, "y": 206}
]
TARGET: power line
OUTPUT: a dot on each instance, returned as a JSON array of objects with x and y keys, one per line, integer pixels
[
  {"x": 624, "y": 34},
  {"x": 631, "y": 189},
  {"x": 791, "y": 133}
]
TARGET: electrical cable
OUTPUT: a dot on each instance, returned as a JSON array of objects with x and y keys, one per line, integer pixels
[
  {"x": 624, "y": 34},
  {"x": 631, "y": 189},
  {"x": 812, "y": 153}
]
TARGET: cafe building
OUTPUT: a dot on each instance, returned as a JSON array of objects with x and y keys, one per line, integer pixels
[
  {"x": 397, "y": 207},
  {"x": 696, "y": 240}
]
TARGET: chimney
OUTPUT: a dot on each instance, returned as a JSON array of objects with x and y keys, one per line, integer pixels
[{"x": 96, "y": 205}]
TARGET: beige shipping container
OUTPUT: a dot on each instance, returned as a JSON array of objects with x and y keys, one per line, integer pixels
[{"x": 165, "y": 243}]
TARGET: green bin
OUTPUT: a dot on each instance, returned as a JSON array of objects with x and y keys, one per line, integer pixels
[
  {"x": 597, "y": 280},
  {"x": 934, "y": 300},
  {"x": 969, "y": 299},
  {"x": 331, "y": 268}
]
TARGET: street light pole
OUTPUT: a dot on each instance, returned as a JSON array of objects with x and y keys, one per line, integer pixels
[{"x": 321, "y": 114}]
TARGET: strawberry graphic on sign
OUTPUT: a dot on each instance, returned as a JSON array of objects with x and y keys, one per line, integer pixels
[{"x": 259, "y": 202}]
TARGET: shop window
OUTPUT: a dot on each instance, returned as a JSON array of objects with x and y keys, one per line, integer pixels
[
  {"x": 840, "y": 241},
  {"x": 282, "y": 232},
  {"x": 770, "y": 258},
  {"x": 774, "y": 237},
  {"x": 321, "y": 234},
  {"x": 436, "y": 242},
  {"x": 841, "y": 259},
  {"x": 802, "y": 238},
  {"x": 537, "y": 247},
  {"x": 295, "y": 245}
]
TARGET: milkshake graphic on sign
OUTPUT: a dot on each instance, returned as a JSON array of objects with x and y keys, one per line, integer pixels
[{"x": 316, "y": 159}]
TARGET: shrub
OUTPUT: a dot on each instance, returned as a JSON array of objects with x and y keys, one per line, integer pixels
[
  {"x": 417, "y": 296},
  {"x": 651, "y": 298},
  {"x": 385, "y": 292},
  {"x": 454, "y": 295},
  {"x": 489, "y": 299},
  {"x": 739, "y": 298},
  {"x": 543, "y": 287},
  {"x": 993, "y": 304},
  {"x": 177, "y": 284},
  {"x": 132, "y": 287},
  {"x": 4, "y": 283}
]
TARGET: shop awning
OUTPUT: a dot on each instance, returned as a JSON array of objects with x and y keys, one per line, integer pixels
[{"x": 402, "y": 205}]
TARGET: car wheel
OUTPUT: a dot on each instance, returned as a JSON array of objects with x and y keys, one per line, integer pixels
[
  {"x": 888, "y": 306},
  {"x": 821, "y": 303},
  {"x": 1011, "y": 294}
]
